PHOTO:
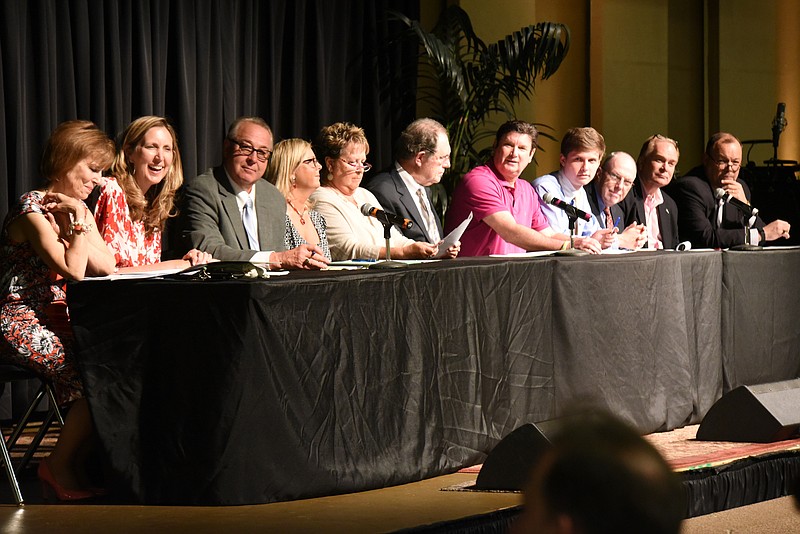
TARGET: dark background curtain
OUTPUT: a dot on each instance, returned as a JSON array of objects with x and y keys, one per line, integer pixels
[{"x": 299, "y": 64}]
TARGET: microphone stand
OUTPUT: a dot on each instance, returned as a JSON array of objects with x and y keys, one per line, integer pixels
[
  {"x": 387, "y": 263},
  {"x": 747, "y": 246},
  {"x": 572, "y": 251}
]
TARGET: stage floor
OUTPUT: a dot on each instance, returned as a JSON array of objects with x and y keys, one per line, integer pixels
[
  {"x": 409, "y": 506},
  {"x": 385, "y": 510}
]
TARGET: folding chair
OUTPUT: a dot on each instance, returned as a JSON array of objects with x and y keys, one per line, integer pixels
[{"x": 10, "y": 373}]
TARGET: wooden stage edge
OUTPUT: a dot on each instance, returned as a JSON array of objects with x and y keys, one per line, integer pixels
[
  {"x": 418, "y": 506},
  {"x": 384, "y": 510}
]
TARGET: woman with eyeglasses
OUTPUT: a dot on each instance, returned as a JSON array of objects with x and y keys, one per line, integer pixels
[
  {"x": 139, "y": 196},
  {"x": 294, "y": 170},
  {"x": 343, "y": 147}
]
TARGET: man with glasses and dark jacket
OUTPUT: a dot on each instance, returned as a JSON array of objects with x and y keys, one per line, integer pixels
[{"x": 711, "y": 222}]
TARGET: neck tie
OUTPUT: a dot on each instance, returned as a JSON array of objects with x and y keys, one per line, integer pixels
[
  {"x": 609, "y": 220},
  {"x": 250, "y": 225},
  {"x": 433, "y": 231}
]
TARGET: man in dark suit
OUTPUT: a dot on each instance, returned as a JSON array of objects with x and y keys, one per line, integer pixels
[
  {"x": 650, "y": 204},
  {"x": 231, "y": 212},
  {"x": 708, "y": 222},
  {"x": 611, "y": 185},
  {"x": 422, "y": 155}
]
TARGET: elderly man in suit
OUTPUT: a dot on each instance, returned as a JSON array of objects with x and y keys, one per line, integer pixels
[
  {"x": 422, "y": 156},
  {"x": 231, "y": 212},
  {"x": 709, "y": 222},
  {"x": 610, "y": 187},
  {"x": 650, "y": 204}
]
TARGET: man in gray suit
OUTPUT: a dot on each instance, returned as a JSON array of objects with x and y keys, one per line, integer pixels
[
  {"x": 231, "y": 212},
  {"x": 423, "y": 154}
]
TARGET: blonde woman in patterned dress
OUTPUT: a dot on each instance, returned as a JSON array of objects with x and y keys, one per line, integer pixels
[
  {"x": 136, "y": 201},
  {"x": 294, "y": 170},
  {"x": 48, "y": 237}
]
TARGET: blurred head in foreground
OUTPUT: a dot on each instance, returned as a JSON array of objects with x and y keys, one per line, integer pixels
[{"x": 601, "y": 476}]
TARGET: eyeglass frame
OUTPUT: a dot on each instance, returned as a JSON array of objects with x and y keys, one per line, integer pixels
[
  {"x": 616, "y": 178},
  {"x": 439, "y": 159},
  {"x": 357, "y": 166},
  {"x": 725, "y": 164},
  {"x": 246, "y": 149}
]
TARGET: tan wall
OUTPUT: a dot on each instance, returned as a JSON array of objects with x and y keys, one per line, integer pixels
[{"x": 684, "y": 68}]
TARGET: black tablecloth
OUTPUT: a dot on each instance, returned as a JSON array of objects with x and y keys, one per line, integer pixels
[{"x": 320, "y": 383}]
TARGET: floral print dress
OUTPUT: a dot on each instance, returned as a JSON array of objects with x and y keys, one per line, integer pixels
[
  {"x": 127, "y": 239},
  {"x": 34, "y": 321}
]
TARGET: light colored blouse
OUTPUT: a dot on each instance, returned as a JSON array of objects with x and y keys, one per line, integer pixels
[{"x": 351, "y": 234}]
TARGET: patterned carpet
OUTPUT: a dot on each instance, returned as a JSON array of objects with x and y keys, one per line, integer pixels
[{"x": 684, "y": 453}]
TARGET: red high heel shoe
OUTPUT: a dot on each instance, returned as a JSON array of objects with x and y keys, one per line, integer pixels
[{"x": 51, "y": 487}]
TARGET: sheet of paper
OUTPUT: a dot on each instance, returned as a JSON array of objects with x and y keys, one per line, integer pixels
[{"x": 453, "y": 236}]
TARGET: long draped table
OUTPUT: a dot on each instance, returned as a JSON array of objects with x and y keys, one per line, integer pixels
[{"x": 237, "y": 392}]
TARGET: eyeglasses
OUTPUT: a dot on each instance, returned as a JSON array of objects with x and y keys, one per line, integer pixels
[
  {"x": 261, "y": 153},
  {"x": 617, "y": 179},
  {"x": 358, "y": 166},
  {"x": 440, "y": 159},
  {"x": 724, "y": 164},
  {"x": 311, "y": 161}
]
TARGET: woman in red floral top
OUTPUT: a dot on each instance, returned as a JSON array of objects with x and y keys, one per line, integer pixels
[
  {"x": 136, "y": 201},
  {"x": 49, "y": 236}
]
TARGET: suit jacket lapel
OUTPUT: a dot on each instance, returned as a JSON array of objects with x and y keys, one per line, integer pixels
[
  {"x": 263, "y": 212},
  {"x": 228, "y": 199},
  {"x": 409, "y": 203}
]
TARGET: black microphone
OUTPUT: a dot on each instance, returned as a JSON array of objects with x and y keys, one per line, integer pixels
[
  {"x": 778, "y": 123},
  {"x": 385, "y": 216},
  {"x": 748, "y": 210},
  {"x": 571, "y": 210}
]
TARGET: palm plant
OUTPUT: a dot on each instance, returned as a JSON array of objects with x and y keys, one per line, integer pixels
[{"x": 465, "y": 81}]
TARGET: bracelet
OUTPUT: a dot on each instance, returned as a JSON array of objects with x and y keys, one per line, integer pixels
[
  {"x": 565, "y": 245},
  {"x": 79, "y": 227}
]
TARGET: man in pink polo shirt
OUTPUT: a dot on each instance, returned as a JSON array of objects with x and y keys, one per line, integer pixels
[{"x": 507, "y": 217}]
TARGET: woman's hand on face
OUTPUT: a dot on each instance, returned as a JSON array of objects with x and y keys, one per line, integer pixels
[{"x": 196, "y": 257}]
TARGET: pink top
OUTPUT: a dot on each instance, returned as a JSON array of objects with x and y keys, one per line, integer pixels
[
  {"x": 651, "y": 203},
  {"x": 126, "y": 238},
  {"x": 484, "y": 192}
]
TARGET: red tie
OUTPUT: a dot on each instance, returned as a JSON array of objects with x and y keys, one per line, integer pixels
[{"x": 609, "y": 220}]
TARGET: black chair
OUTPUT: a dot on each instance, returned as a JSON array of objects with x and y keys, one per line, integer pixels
[{"x": 11, "y": 373}]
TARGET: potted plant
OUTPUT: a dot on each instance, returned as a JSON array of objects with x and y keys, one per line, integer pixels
[{"x": 465, "y": 81}]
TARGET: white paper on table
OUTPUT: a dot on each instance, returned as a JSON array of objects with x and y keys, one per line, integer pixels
[{"x": 453, "y": 236}]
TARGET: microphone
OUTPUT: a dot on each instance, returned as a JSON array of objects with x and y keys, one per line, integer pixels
[
  {"x": 778, "y": 123},
  {"x": 571, "y": 210},
  {"x": 385, "y": 216},
  {"x": 750, "y": 211}
]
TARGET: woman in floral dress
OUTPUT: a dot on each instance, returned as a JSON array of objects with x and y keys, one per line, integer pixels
[
  {"x": 136, "y": 201},
  {"x": 48, "y": 237}
]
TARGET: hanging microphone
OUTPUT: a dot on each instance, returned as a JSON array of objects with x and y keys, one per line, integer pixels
[
  {"x": 748, "y": 210},
  {"x": 385, "y": 217},
  {"x": 778, "y": 123},
  {"x": 571, "y": 210}
]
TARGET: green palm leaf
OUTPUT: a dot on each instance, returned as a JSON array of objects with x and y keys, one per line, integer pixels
[{"x": 475, "y": 80}]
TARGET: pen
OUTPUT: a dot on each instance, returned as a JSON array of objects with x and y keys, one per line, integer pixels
[{"x": 616, "y": 223}]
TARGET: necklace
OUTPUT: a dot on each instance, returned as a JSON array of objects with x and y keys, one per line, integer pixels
[{"x": 302, "y": 219}]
